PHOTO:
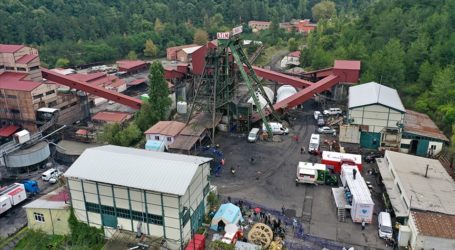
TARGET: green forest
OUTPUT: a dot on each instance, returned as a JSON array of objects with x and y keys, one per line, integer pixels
[{"x": 406, "y": 44}]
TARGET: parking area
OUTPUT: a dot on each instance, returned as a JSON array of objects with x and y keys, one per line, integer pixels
[
  {"x": 16, "y": 218},
  {"x": 270, "y": 181}
]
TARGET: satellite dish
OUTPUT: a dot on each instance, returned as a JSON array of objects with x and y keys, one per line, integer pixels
[{"x": 231, "y": 228}]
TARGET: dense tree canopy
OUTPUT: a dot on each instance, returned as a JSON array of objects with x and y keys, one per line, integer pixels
[
  {"x": 408, "y": 45},
  {"x": 99, "y": 30}
]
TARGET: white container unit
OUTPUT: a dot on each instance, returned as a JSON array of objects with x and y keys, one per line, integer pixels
[
  {"x": 362, "y": 205},
  {"x": 262, "y": 100},
  {"x": 284, "y": 92},
  {"x": 22, "y": 136},
  {"x": 182, "y": 107},
  {"x": 11, "y": 196}
]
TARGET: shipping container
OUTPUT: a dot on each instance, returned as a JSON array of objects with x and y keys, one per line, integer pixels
[{"x": 11, "y": 196}]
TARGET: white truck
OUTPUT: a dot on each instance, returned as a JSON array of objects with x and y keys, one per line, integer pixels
[
  {"x": 11, "y": 195},
  {"x": 314, "y": 173},
  {"x": 277, "y": 128},
  {"x": 313, "y": 148}
]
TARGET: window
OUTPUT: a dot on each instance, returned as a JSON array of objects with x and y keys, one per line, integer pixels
[
  {"x": 21, "y": 69},
  {"x": 185, "y": 216},
  {"x": 206, "y": 189},
  {"x": 37, "y": 96},
  {"x": 124, "y": 213},
  {"x": 393, "y": 175},
  {"x": 50, "y": 92},
  {"x": 169, "y": 139},
  {"x": 11, "y": 96},
  {"x": 52, "y": 104},
  {"x": 399, "y": 189},
  {"x": 433, "y": 147},
  {"x": 157, "y": 137},
  {"x": 39, "y": 217},
  {"x": 14, "y": 111},
  {"x": 34, "y": 68},
  {"x": 2, "y": 67},
  {"x": 405, "y": 203},
  {"x": 9, "y": 68},
  {"x": 405, "y": 146}
]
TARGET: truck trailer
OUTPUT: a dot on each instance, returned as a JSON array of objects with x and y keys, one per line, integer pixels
[
  {"x": 337, "y": 159},
  {"x": 357, "y": 194},
  {"x": 11, "y": 196}
]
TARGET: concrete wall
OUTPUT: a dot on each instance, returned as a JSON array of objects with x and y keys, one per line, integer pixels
[
  {"x": 55, "y": 220},
  {"x": 377, "y": 117},
  {"x": 398, "y": 186}
]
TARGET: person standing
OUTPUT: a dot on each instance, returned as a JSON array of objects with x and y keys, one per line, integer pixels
[
  {"x": 363, "y": 225},
  {"x": 302, "y": 150}
]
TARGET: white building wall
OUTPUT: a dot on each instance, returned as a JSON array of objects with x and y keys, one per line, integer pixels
[
  {"x": 160, "y": 138},
  {"x": 437, "y": 145},
  {"x": 377, "y": 117},
  {"x": 405, "y": 142}
]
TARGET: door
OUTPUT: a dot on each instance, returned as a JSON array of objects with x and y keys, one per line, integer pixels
[
  {"x": 422, "y": 148},
  {"x": 109, "y": 220},
  {"x": 370, "y": 140}
]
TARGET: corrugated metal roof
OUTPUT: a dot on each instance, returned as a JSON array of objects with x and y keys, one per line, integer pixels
[
  {"x": 170, "y": 128},
  {"x": 347, "y": 64},
  {"x": 109, "y": 116},
  {"x": 10, "y": 48},
  {"x": 137, "y": 168},
  {"x": 57, "y": 199},
  {"x": 15, "y": 81},
  {"x": 26, "y": 58},
  {"x": 435, "y": 224},
  {"x": 374, "y": 93},
  {"x": 421, "y": 124}
]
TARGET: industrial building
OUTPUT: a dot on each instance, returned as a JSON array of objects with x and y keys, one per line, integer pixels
[
  {"x": 421, "y": 194},
  {"x": 421, "y": 136},
  {"x": 50, "y": 213},
  {"x": 23, "y": 91},
  {"x": 132, "y": 66},
  {"x": 423, "y": 179},
  {"x": 378, "y": 110},
  {"x": 259, "y": 25},
  {"x": 160, "y": 194}
]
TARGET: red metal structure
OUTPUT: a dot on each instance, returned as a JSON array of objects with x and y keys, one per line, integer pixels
[{"x": 91, "y": 89}]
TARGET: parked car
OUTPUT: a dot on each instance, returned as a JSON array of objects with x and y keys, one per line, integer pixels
[
  {"x": 371, "y": 157},
  {"x": 321, "y": 121},
  {"x": 326, "y": 130},
  {"x": 253, "y": 135},
  {"x": 333, "y": 111},
  {"x": 54, "y": 178},
  {"x": 317, "y": 114}
]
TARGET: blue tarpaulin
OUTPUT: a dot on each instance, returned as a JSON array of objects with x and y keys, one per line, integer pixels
[
  {"x": 154, "y": 145},
  {"x": 228, "y": 213}
]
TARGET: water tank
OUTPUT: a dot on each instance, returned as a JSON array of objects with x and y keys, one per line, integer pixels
[
  {"x": 182, "y": 107},
  {"x": 29, "y": 156},
  {"x": 284, "y": 92},
  {"x": 262, "y": 101}
]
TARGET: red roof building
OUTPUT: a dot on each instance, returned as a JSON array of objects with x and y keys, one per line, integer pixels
[
  {"x": 171, "y": 52},
  {"x": 17, "y": 81},
  {"x": 165, "y": 131},
  {"x": 111, "y": 117},
  {"x": 26, "y": 59},
  {"x": 10, "y": 48},
  {"x": 101, "y": 79},
  {"x": 8, "y": 130},
  {"x": 259, "y": 25},
  {"x": 132, "y": 66}
]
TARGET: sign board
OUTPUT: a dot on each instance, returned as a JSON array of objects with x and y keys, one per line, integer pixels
[
  {"x": 223, "y": 35},
  {"x": 237, "y": 30}
]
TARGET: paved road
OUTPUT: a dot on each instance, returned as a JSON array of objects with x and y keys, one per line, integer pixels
[{"x": 271, "y": 182}]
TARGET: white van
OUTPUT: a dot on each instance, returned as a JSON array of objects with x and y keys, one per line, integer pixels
[
  {"x": 277, "y": 128},
  {"x": 384, "y": 225},
  {"x": 313, "y": 148},
  {"x": 253, "y": 135},
  {"x": 49, "y": 174}
]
